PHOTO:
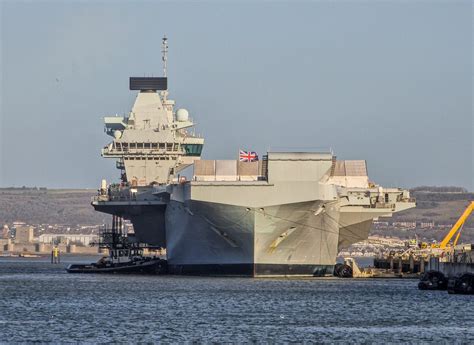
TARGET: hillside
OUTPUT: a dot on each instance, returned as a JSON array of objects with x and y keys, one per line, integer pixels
[
  {"x": 441, "y": 208},
  {"x": 51, "y": 206},
  {"x": 72, "y": 207}
]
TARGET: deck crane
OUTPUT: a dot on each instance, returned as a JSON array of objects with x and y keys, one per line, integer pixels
[{"x": 457, "y": 228}]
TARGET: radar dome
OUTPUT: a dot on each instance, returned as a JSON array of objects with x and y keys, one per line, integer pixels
[
  {"x": 182, "y": 115},
  {"x": 117, "y": 134}
]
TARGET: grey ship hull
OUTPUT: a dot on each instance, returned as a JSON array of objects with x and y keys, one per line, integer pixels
[
  {"x": 211, "y": 238},
  {"x": 285, "y": 224}
]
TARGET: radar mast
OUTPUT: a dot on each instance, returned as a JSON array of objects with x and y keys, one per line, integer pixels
[
  {"x": 164, "y": 58},
  {"x": 153, "y": 144}
]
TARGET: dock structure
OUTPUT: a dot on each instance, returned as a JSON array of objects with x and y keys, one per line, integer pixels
[
  {"x": 402, "y": 265},
  {"x": 458, "y": 261},
  {"x": 450, "y": 262}
]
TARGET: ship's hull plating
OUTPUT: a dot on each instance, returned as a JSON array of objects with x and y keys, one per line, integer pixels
[
  {"x": 290, "y": 239},
  {"x": 204, "y": 238}
]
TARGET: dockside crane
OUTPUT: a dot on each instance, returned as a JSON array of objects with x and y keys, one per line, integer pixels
[{"x": 457, "y": 228}]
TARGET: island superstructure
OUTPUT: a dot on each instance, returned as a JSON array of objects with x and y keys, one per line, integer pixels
[
  {"x": 151, "y": 146},
  {"x": 287, "y": 214}
]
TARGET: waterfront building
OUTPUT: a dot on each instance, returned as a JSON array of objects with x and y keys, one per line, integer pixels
[
  {"x": 24, "y": 234},
  {"x": 82, "y": 239}
]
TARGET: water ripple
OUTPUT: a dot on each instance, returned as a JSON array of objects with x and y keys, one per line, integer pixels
[{"x": 39, "y": 302}]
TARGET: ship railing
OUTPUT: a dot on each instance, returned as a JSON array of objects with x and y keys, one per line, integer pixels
[
  {"x": 401, "y": 198},
  {"x": 380, "y": 205},
  {"x": 230, "y": 178},
  {"x": 120, "y": 198},
  {"x": 384, "y": 205},
  {"x": 142, "y": 151},
  {"x": 99, "y": 198}
]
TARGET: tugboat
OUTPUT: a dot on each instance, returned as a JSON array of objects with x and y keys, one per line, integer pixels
[
  {"x": 125, "y": 255},
  {"x": 143, "y": 265}
]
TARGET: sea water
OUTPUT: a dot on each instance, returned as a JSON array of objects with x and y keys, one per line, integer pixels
[{"x": 39, "y": 301}]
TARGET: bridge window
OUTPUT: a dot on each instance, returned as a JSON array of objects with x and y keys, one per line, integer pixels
[{"x": 193, "y": 149}]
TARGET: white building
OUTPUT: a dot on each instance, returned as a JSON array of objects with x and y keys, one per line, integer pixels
[{"x": 68, "y": 238}]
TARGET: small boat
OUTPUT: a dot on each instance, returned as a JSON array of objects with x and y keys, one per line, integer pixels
[
  {"x": 143, "y": 265},
  {"x": 433, "y": 280},
  {"x": 462, "y": 284}
]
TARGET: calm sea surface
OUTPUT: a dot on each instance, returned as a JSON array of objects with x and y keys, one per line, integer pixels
[{"x": 40, "y": 302}]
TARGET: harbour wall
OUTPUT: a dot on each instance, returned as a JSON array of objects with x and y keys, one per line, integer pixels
[
  {"x": 450, "y": 268},
  {"x": 9, "y": 247}
]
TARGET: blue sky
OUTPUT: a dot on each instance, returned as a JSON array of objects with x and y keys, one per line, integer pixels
[{"x": 389, "y": 82}]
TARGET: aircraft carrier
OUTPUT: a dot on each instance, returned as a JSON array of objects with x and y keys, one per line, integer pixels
[{"x": 288, "y": 213}]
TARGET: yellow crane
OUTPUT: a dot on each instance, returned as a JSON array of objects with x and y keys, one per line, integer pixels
[{"x": 457, "y": 227}]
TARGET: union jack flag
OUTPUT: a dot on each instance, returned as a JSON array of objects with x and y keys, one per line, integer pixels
[{"x": 248, "y": 156}]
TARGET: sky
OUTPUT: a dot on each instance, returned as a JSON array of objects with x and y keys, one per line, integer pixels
[{"x": 385, "y": 81}]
